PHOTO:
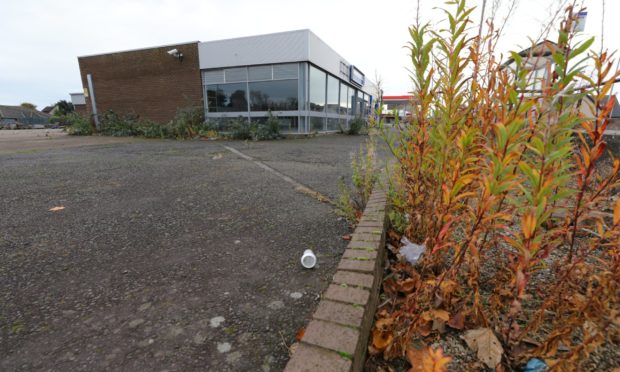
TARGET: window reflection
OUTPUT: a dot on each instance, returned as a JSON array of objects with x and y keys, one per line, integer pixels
[
  {"x": 278, "y": 95},
  {"x": 344, "y": 100},
  {"x": 227, "y": 97},
  {"x": 317, "y": 89},
  {"x": 332, "y": 94}
]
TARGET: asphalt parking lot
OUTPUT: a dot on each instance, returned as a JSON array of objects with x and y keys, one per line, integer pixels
[{"x": 168, "y": 255}]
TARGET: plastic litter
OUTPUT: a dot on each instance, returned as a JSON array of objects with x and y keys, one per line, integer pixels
[
  {"x": 308, "y": 259},
  {"x": 535, "y": 365},
  {"x": 411, "y": 251}
]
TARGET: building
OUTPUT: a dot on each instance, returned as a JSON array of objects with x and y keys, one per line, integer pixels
[
  {"x": 14, "y": 117},
  {"x": 293, "y": 75},
  {"x": 396, "y": 105},
  {"x": 78, "y": 100},
  {"x": 50, "y": 110}
]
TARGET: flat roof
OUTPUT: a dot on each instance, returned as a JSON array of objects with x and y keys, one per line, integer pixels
[{"x": 139, "y": 49}]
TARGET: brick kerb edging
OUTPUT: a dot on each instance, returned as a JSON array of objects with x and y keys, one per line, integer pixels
[{"x": 337, "y": 334}]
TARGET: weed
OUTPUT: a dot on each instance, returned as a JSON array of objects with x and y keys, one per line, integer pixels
[
  {"x": 78, "y": 125},
  {"x": 351, "y": 201},
  {"x": 493, "y": 177},
  {"x": 240, "y": 129},
  {"x": 356, "y": 126}
]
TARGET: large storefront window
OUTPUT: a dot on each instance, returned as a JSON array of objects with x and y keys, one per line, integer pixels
[
  {"x": 352, "y": 102},
  {"x": 286, "y": 124},
  {"x": 280, "y": 95},
  {"x": 317, "y": 124},
  {"x": 344, "y": 98},
  {"x": 332, "y": 94},
  {"x": 317, "y": 89},
  {"x": 332, "y": 124},
  {"x": 359, "y": 111},
  {"x": 227, "y": 97}
]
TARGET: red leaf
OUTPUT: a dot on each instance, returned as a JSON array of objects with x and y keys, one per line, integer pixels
[{"x": 300, "y": 334}]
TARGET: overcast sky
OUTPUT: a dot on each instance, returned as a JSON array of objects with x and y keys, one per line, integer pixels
[{"x": 41, "y": 39}]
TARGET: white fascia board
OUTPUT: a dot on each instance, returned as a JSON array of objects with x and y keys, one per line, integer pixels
[
  {"x": 325, "y": 57},
  {"x": 283, "y": 47}
]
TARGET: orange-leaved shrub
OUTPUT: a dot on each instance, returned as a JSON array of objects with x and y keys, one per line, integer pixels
[{"x": 511, "y": 189}]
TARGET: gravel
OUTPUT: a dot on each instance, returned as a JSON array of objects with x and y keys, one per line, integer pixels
[{"x": 158, "y": 239}]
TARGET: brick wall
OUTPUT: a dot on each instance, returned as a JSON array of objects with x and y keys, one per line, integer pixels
[
  {"x": 336, "y": 337},
  {"x": 148, "y": 82}
]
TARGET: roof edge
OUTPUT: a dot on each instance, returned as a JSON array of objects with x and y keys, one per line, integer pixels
[{"x": 138, "y": 49}]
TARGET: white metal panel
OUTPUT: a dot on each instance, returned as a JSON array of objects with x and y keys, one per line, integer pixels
[
  {"x": 286, "y": 71},
  {"x": 78, "y": 98},
  {"x": 282, "y": 47},
  {"x": 235, "y": 75},
  {"x": 324, "y": 56},
  {"x": 258, "y": 73},
  {"x": 212, "y": 77}
]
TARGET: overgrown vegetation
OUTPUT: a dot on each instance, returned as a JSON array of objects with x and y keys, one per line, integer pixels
[
  {"x": 497, "y": 176},
  {"x": 78, "y": 125},
  {"x": 352, "y": 200},
  {"x": 244, "y": 130},
  {"x": 356, "y": 126},
  {"x": 188, "y": 123}
]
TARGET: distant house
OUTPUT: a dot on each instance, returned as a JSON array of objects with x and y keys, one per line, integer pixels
[
  {"x": 587, "y": 109},
  {"x": 50, "y": 110},
  {"x": 79, "y": 103},
  {"x": 20, "y": 117},
  {"x": 538, "y": 61}
]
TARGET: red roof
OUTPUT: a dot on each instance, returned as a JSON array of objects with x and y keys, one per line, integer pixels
[{"x": 398, "y": 98}]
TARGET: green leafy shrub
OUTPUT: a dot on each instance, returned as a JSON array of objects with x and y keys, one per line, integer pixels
[
  {"x": 151, "y": 129},
  {"x": 187, "y": 123},
  {"x": 113, "y": 124},
  {"x": 209, "y": 130},
  {"x": 240, "y": 129},
  {"x": 77, "y": 125},
  {"x": 266, "y": 131},
  {"x": 356, "y": 125}
]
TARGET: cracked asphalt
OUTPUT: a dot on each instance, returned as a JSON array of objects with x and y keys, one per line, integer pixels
[{"x": 168, "y": 255}]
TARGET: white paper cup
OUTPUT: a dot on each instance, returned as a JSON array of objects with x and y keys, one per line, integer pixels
[{"x": 308, "y": 259}]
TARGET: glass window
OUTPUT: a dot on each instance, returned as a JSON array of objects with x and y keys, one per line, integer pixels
[
  {"x": 317, "y": 124},
  {"x": 273, "y": 95},
  {"x": 289, "y": 124},
  {"x": 352, "y": 101},
  {"x": 227, "y": 97},
  {"x": 332, "y": 124},
  {"x": 332, "y": 94},
  {"x": 317, "y": 89},
  {"x": 286, "y": 71},
  {"x": 359, "y": 110},
  {"x": 344, "y": 100},
  {"x": 257, "y": 73}
]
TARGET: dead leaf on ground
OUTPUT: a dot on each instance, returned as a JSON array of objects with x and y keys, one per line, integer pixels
[
  {"x": 457, "y": 321},
  {"x": 346, "y": 237},
  {"x": 440, "y": 314},
  {"x": 293, "y": 348},
  {"x": 485, "y": 343},
  {"x": 427, "y": 360},
  {"x": 381, "y": 340},
  {"x": 300, "y": 334},
  {"x": 407, "y": 285},
  {"x": 56, "y": 209}
]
